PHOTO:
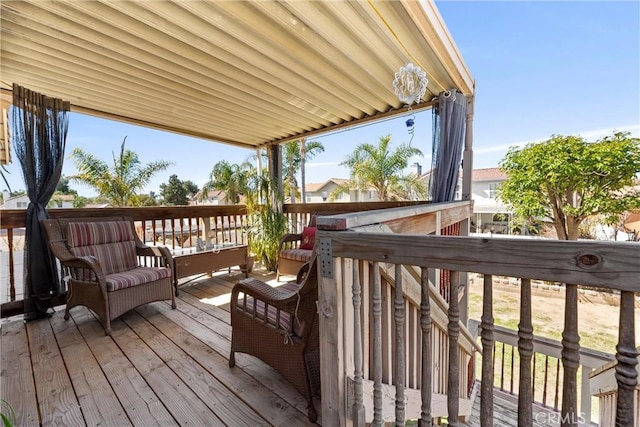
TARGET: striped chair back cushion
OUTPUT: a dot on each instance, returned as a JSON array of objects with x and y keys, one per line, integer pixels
[{"x": 111, "y": 242}]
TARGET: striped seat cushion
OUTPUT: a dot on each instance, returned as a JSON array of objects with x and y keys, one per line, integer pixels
[
  {"x": 110, "y": 242},
  {"x": 134, "y": 277},
  {"x": 284, "y": 321},
  {"x": 303, "y": 255}
]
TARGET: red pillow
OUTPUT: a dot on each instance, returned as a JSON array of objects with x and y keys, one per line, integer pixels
[{"x": 308, "y": 238}]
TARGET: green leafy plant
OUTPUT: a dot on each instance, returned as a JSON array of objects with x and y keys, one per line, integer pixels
[
  {"x": 7, "y": 414},
  {"x": 120, "y": 183},
  {"x": 266, "y": 223}
]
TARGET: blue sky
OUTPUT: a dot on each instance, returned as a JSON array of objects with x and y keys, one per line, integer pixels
[{"x": 541, "y": 68}]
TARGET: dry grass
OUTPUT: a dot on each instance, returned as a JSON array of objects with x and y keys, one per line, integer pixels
[{"x": 598, "y": 313}]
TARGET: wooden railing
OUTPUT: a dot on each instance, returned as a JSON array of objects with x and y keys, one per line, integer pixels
[
  {"x": 172, "y": 226},
  {"x": 343, "y": 245},
  {"x": 604, "y": 386},
  {"x": 547, "y": 370}
]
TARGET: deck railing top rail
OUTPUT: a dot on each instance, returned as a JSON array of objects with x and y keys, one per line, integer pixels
[
  {"x": 353, "y": 220},
  {"x": 587, "y": 263}
]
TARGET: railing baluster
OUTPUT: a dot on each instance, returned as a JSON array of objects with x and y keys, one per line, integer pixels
[
  {"x": 525, "y": 350},
  {"x": 488, "y": 349},
  {"x": 427, "y": 363},
  {"x": 627, "y": 357},
  {"x": 502, "y": 368},
  {"x": 377, "y": 346},
  {"x": 358, "y": 405},
  {"x": 511, "y": 376},
  {"x": 546, "y": 377},
  {"x": 570, "y": 357},
  {"x": 557, "y": 391},
  {"x": 12, "y": 278},
  {"x": 453, "y": 383},
  {"x": 400, "y": 342}
]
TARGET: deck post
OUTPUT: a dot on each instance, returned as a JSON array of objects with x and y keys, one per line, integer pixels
[
  {"x": 330, "y": 303},
  {"x": 467, "y": 155}
]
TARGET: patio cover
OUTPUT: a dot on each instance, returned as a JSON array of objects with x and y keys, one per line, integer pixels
[{"x": 247, "y": 73}]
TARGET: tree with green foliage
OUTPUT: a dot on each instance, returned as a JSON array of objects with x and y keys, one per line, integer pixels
[
  {"x": 63, "y": 186},
  {"x": 148, "y": 199},
  {"x": 233, "y": 178},
  {"x": 379, "y": 167},
  {"x": 266, "y": 224},
  {"x": 568, "y": 179},
  {"x": 177, "y": 192},
  {"x": 294, "y": 157},
  {"x": 80, "y": 202},
  {"x": 119, "y": 183}
]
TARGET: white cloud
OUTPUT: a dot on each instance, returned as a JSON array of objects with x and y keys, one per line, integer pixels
[{"x": 590, "y": 135}]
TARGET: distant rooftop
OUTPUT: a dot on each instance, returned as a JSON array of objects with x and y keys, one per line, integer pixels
[{"x": 488, "y": 174}]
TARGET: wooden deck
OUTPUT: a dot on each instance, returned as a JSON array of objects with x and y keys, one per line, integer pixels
[{"x": 160, "y": 367}]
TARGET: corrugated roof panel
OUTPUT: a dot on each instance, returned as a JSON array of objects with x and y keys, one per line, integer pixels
[{"x": 246, "y": 73}]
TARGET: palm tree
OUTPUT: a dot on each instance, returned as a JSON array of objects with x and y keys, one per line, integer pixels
[
  {"x": 265, "y": 224},
  {"x": 378, "y": 167},
  {"x": 233, "y": 178},
  {"x": 409, "y": 187},
  {"x": 294, "y": 156},
  {"x": 120, "y": 183}
]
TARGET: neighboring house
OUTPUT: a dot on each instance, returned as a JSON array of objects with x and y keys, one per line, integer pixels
[
  {"x": 16, "y": 202},
  {"x": 214, "y": 197},
  {"x": 489, "y": 213},
  {"x": 22, "y": 202},
  {"x": 321, "y": 192}
]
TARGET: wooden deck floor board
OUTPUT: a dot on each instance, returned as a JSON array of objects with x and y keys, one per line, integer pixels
[
  {"x": 206, "y": 330},
  {"x": 138, "y": 400},
  {"x": 98, "y": 402},
  {"x": 16, "y": 378},
  {"x": 160, "y": 367},
  {"x": 227, "y": 407},
  {"x": 58, "y": 404},
  {"x": 276, "y": 410},
  {"x": 185, "y": 406}
]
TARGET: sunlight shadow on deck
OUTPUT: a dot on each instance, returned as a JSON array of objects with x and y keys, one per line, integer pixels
[{"x": 226, "y": 298}]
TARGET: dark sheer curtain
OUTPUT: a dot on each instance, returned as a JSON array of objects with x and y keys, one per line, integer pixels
[
  {"x": 449, "y": 118},
  {"x": 39, "y": 132}
]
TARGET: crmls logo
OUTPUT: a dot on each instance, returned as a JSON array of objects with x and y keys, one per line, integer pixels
[{"x": 557, "y": 418}]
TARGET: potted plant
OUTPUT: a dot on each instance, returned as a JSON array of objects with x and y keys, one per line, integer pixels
[{"x": 267, "y": 224}]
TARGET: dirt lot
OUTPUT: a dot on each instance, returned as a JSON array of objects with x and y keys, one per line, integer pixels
[{"x": 597, "y": 313}]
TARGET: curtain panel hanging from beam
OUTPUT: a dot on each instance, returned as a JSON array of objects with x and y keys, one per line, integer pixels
[
  {"x": 39, "y": 132},
  {"x": 449, "y": 120}
]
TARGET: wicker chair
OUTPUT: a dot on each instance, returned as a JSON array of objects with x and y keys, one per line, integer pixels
[
  {"x": 280, "y": 327},
  {"x": 108, "y": 268},
  {"x": 291, "y": 257}
]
